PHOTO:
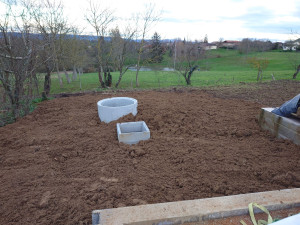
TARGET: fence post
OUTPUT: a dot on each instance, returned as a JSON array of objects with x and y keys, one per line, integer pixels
[{"x": 273, "y": 76}]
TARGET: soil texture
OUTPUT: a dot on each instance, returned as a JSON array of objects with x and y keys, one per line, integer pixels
[{"x": 60, "y": 162}]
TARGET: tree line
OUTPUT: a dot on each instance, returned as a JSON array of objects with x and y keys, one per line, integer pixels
[{"x": 36, "y": 37}]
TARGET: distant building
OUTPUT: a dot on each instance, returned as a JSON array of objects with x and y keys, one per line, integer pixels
[
  {"x": 291, "y": 45},
  {"x": 230, "y": 44},
  {"x": 289, "y": 48},
  {"x": 207, "y": 46}
]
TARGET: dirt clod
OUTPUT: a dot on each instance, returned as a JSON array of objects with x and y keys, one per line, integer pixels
[{"x": 138, "y": 202}]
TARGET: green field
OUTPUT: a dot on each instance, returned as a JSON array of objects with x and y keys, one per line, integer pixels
[{"x": 220, "y": 67}]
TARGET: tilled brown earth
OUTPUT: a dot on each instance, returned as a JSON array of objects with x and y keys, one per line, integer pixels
[
  {"x": 60, "y": 163},
  {"x": 270, "y": 94}
]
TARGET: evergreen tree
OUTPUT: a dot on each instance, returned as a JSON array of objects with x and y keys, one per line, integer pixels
[
  {"x": 205, "y": 39},
  {"x": 156, "y": 52}
]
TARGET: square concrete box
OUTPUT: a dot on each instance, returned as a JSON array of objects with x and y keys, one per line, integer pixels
[
  {"x": 281, "y": 127},
  {"x": 133, "y": 132}
]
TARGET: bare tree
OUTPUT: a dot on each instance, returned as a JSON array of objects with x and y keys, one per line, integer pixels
[
  {"x": 293, "y": 56},
  {"x": 297, "y": 71},
  {"x": 146, "y": 20},
  {"x": 248, "y": 45},
  {"x": 187, "y": 56},
  {"x": 219, "y": 44},
  {"x": 100, "y": 19},
  {"x": 73, "y": 55},
  {"x": 77, "y": 55},
  {"x": 18, "y": 61},
  {"x": 294, "y": 59},
  {"x": 50, "y": 23},
  {"x": 121, "y": 43}
]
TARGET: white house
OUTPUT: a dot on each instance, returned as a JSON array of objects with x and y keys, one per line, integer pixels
[
  {"x": 290, "y": 46},
  {"x": 210, "y": 46}
]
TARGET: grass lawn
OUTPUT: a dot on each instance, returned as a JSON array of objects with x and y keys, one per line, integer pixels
[{"x": 220, "y": 67}]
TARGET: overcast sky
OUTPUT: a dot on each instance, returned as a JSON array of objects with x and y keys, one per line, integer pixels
[
  {"x": 193, "y": 19},
  {"x": 227, "y": 19}
]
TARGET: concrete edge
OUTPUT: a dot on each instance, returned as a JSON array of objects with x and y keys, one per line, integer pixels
[
  {"x": 212, "y": 216},
  {"x": 196, "y": 210}
]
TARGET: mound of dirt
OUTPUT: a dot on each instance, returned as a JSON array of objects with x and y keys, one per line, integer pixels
[{"x": 60, "y": 162}]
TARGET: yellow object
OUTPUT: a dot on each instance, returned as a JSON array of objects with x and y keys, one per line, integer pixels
[{"x": 259, "y": 222}]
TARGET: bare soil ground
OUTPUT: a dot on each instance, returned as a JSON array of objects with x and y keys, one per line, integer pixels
[{"x": 60, "y": 162}]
